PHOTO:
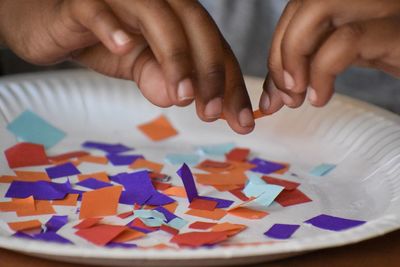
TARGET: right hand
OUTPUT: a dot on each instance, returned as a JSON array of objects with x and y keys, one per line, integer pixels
[{"x": 171, "y": 48}]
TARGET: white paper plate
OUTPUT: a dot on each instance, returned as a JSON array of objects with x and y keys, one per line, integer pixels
[{"x": 363, "y": 140}]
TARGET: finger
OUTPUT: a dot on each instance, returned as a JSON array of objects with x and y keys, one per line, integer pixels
[
  {"x": 97, "y": 17},
  {"x": 281, "y": 79},
  {"x": 141, "y": 67},
  {"x": 163, "y": 31},
  {"x": 208, "y": 57},
  {"x": 270, "y": 100},
  {"x": 237, "y": 106},
  {"x": 374, "y": 41}
]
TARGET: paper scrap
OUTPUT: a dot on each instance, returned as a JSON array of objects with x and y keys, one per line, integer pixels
[
  {"x": 108, "y": 148},
  {"x": 216, "y": 214},
  {"x": 265, "y": 166},
  {"x": 42, "y": 207},
  {"x": 201, "y": 225},
  {"x": 25, "y": 225},
  {"x": 248, "y": 213},
  {"x": 93, "y": 183},
  {"x": 51, "y": 237},
  {"x": 69, "y": 200},
  {"x": 120, "y": 160},
  {"x": 87, "y": 223},
  {"x": 101, "y": 176},
  {"x": 128, "y": 235},
  {"x": 282, "y": 231},
  {"x": 100, "y": 202},
  {"x": 146, "y": 164},
  {"x": 289, "y": 198},
  {"x": 333, "y": 223},
  {"x": 25, "y": 155},
  {"x": 56, "y": 222},
  {"x": 216, "y": 149},
  {"x": 203, "y": 204},
  {"x": 68, "y": 156},
  {"x": 288, "y": 185},
  {"x": 100, "y": 234},
  {"x": 94, "y": 159},
  {"x": 40, "y": 190},
  {"x": 29, "y": 127},
  {"x": 63, "y": 170},
  {"x": 188, "y": 182},
  {"x": 238, "y": 154},
  {"x": 179, "y": 159},
  {"x": 234, "y": 178},
  {"x": 158, "y": 129},
  {"x": 322, "y": 169},
  {"x": 196, "y": 239}
]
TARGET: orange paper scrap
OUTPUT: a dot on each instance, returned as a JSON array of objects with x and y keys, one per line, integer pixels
[
  {"x": 248, "y": 213},
  {"x": 17, "y": 204},
  {"x": 25, "y": 225},
  {"x": 94, "y": 159},
  {"x": 69, "y": 200},
  {"x": 176, "y": 191},
  {"x": 87, "y": 223},
  {"x": 128, "y": 235},
  {"x": 234, "y": 178},
  {"x": 42, "y": 207},
  {"x": 171, "y": 207},
  {"x": 101, "y": 176},
  {"x": 100, "y": 202},
  {"x": 158, "y": 129},
  {"x": 146, "y": 164},
  {"x": 216, "y": 214}
]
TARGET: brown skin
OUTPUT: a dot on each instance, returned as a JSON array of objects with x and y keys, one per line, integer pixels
[
  {"x": 316, "y": 40},
  {"x": 167, "y": 46},
  {"x": 172, "y": 46}
]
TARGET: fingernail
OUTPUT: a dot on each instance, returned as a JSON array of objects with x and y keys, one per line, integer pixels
[
  {"x": 288, "y": 100},
  {"x": 185, "y": 90},
  {"x": 265, "y": 101},
  {"x": 246, "y": 119},
  {"x": 213, "y": 108},
  {"x": 121, "y": 38},
  {"x": 312, "y": 95},
  {"x": 288, "y": 79}
]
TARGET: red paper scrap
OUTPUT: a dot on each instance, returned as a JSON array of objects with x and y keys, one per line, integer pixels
[
  {"x": 196, "y": 239},
  {"x": 293, "y": 197},
  {"x": 26, "y": 154},
  {"x": 68, "y": 155},
  {"x": 203, "y": 204},
  {"x": 288, "y": 185},
  {"x": 87, "y": 223},
  {"x": 100, "y": 234},
  {"x": 238, "y": 154},
  {"x": 201, "y": 225},
  {"x": 169, "y": 229}
]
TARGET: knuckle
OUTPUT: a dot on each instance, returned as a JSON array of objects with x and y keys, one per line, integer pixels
[
  {"x": 215, "y": 74},
  {"x": 176, "y": 56},
  {"x": 350, "y": 32},
  {"x": 155, "y": 4}
]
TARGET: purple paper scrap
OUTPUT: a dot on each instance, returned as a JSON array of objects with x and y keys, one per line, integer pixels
[
  {"x": 168, "y": 215},
  {"x": 51, "y": 237},
  {"x": 282, "y": 231},
  {"x": 62, "y": 170},
  {"x": 40, "y": 190},
  {"x": 188, "y": 182},
  {"x": 120, "y": 245},
  {"x": 120, "y": 160},
  {"x": 108, "y": 148},
  {"x": 266, "y": 167},
  {"x": 333, "y": 223},
  {"x": 93, "y": 183},
  {"x": 56, "y": 222},
  {"x": 221, "y": 203}
]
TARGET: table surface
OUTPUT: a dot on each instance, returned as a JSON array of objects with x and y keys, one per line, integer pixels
[{"x": 381, "y": 251}]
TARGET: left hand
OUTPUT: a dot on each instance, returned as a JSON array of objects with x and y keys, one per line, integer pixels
[{"x": 316, "y": 40}]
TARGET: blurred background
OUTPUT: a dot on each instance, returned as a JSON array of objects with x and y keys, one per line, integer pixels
[{"x": 248, "y": 27}]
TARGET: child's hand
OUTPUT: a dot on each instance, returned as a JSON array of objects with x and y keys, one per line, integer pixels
[
  {"x": 316, "y": 40},
  {"x": 172, "y": 49}
]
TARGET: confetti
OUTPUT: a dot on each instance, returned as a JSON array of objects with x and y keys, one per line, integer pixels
[
  {"x": 146, "y": 164},
  {"x": 119, "y": 160},
  {"x": 108, "y": 148},
  {"x": 238, "y": 154},
  {"x": 29, "y": 127},
  {"x": 68, "y": 156},
  {"x": 216, "y": 214},
  {"x": 293, "y": 197},
  {"x": 100, "y": 202},
  {"x": 25, "y": 225},
  {"x": 158, "y": 129},
  {"x": 282, "y": 231},
  {"x": 25, "y": 155},
  {"x": 266, "y": 167},
  {"x": 63, "y": 170},
  {"x": 203, "y": 204},
  {"x": 100, "y": 234},
  {"x": 333, "y": 223},
  {"x": 201, "y": 225},
  {"x": 179, "y": 159},
  {"x": 217, "y": 149},
  {"x": 322, "y": 169},
  {"x": 196, "y": 239},
  {"x": 100, "y": 176}
]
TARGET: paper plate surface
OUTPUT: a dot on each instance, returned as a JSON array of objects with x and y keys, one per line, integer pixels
[{"x": 362, "y": 140}]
